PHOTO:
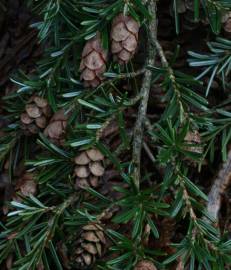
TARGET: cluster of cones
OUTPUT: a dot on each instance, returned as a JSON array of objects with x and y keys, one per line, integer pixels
[
  {"x": 90, "y": 246},
  {"x": 124, "y": 41},
  {"x": 37, "y": 117},
  {"x": 89, "y": 168}
]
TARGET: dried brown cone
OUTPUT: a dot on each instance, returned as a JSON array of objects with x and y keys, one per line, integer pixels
[
  {"x": 55, "y": 131},
  {"x": 89, "y": 247},
  {"x": 124, "y": 38},
  {"x": 145, "y": 265},
  {"x": 36, "y": 115},
  {"x": 89, "y": 168},
  {"x": 93, "y": 63}
]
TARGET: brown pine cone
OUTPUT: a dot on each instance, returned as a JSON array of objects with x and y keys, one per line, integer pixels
[
  {"x": 89, "y": 247},
  {"x": 89, "y": 169},
  {"x": 36, "y": 115},
  {"x": 93, "y": 63},
  {"x": 124, "y": 37},
  {"x": 55, "y": 131},
  {"x": 145, "y": 265}
]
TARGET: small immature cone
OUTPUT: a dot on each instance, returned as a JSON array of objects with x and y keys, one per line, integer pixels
[
  {"x": 89, "y": 168},
  {"x": 90, "y": 246},
  {"x": 145, "y": 265},
  {"x": 55, "y": 131},
  {"x": 124, "y": 38},
  {"x": 93, "y": 63},
  {"x": 36, "y": 115}
]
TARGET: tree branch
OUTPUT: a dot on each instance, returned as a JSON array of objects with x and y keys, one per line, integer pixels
[
  {"x": 144, "y": 91},
  {"x": 219, "y": 186}
]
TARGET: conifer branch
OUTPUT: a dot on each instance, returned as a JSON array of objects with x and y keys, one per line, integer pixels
[
  {"x": 84, "y": 176},
  {"x": 171, "y": 74}
]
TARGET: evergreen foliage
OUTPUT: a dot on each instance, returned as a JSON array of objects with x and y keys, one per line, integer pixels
[{"x": 37, "y": 224}]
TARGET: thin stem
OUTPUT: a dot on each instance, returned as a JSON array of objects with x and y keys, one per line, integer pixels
[
  {"x": 149, "y": 152},
  {"x": 127, "y": 75}
]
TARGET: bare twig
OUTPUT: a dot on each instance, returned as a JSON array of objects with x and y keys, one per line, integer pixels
[
  {"x": 219, "y": 186},
  {"x": 163, "y": 58},
  {"x": 149, "y": 152},
  {"x": 130, "y": 75},
  {"x": 144, "y": 91}
]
